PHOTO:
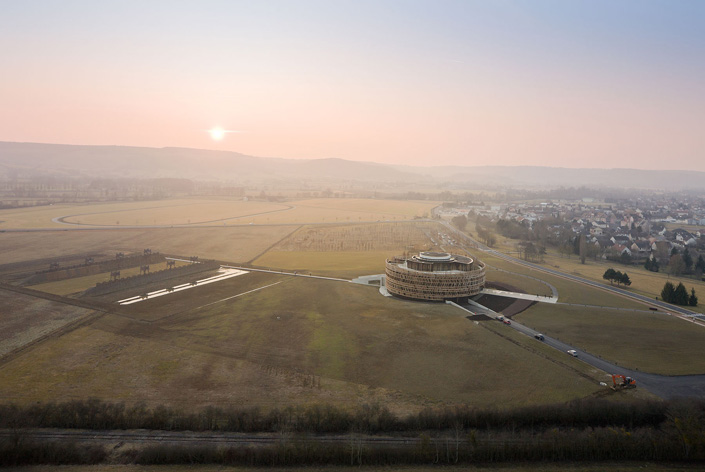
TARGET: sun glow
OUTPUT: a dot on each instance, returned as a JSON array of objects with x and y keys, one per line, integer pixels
[{"x": 217, "y": 133}]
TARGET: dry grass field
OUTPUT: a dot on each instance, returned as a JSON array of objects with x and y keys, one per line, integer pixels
[
  {"x": 174, "y": 212},
  {"x": 296, "y": 342},
  {"x": 214, "y": 211},
  {"x": 154, "y": 212},
  {"x": 645, "y": 341},
  {"x": 237, "y": 244},
  {"x": 25, "y": 318}
]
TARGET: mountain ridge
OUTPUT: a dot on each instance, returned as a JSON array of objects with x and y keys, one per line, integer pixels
[{"x": 112, "y": 161}]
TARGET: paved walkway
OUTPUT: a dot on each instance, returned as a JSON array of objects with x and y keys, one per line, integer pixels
[
  {"x": 281, "y": 272},
  {"x": 521, "y": 296}
]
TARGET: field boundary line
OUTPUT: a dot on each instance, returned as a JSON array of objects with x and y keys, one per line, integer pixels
[{"x": 274, "y": 244}]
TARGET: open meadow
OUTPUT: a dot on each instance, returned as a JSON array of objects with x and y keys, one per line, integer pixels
[
  {"x": 264, "y": 339},
  {"x": 296, "y": 341}
]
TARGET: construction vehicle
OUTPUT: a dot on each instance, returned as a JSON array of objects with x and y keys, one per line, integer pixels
[{"x": 621, "y": 382}]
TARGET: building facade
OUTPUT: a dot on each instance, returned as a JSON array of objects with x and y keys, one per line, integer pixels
[{"x": 434, "y": 276}]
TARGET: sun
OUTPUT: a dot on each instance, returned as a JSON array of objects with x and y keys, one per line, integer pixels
[{"x": 217, "y": 133}]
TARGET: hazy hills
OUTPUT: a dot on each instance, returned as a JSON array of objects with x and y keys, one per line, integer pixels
[{"x": 30, "y": 160}]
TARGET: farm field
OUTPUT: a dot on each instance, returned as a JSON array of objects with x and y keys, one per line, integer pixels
[
  {"x": 25, "y": 318},
  {"x": 235, "y": 244},
  {"x": 174, "y": 212},
  {"x": 296, "y": 342},
  {"x": 649, "y": 342},
  {"x": 348, "y": 250},
  {"x": 213, "y": 211}
]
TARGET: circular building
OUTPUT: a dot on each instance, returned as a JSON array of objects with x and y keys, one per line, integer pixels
[{"x": 434, "y": 276}]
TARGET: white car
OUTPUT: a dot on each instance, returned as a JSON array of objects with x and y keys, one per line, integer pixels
[{"x": 573, "y": 353}]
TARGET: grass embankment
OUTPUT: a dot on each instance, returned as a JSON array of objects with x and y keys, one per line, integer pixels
[
  {"x": 297, "y": 342},
  {"x": 568, "y": 291},
  {"x": 649, "y": 342},
  {"x": 79, "y": 284},
  {"x": 335, "y": 264}
]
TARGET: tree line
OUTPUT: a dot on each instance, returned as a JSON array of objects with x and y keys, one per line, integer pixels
[
  {"x": 678, "y": 295},
  {"x": 617, "y": 276},
  {"x": 583, "y": 430}
]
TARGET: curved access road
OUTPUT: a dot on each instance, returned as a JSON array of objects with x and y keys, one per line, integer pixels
[{"x": 664, "y": 386}]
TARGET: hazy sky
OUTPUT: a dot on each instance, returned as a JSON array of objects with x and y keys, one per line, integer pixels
[{"x": 558, "y": 83}]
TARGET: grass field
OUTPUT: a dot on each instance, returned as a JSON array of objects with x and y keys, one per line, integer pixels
[
  {"x": 644, "y": 282},
  {"x": 235, "y": 244},
  {"x": 335, "y": 264},
  {"x": 214, "y": 211},
  {"x": 24, "y": 318},
  {"x": 645, "y": 341},
  {"x": 568, "y": 292},
  {"x": 297, "y": 342}
]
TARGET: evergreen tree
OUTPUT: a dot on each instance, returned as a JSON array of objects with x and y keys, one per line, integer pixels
[
  {"x": 700, "y": 264},
  {"x": 625, "y": 279},
  {"x": 680, "y": 296},
  {"x": 618, "y": 277},
  {"x": 667, "y": 294},
  {"x": 609, "y": 275},
  {"x": 651, "y": 265},
  {"x": 625, "y": 258},
  {"x": 687, "y": 260},
  {"x": 693, "y": 300}
]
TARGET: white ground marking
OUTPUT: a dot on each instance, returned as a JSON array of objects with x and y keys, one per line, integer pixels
[{"x": 223, "y": 274}]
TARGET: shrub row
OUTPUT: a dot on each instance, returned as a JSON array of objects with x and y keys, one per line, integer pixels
[{"x": 95, "y": 414}]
